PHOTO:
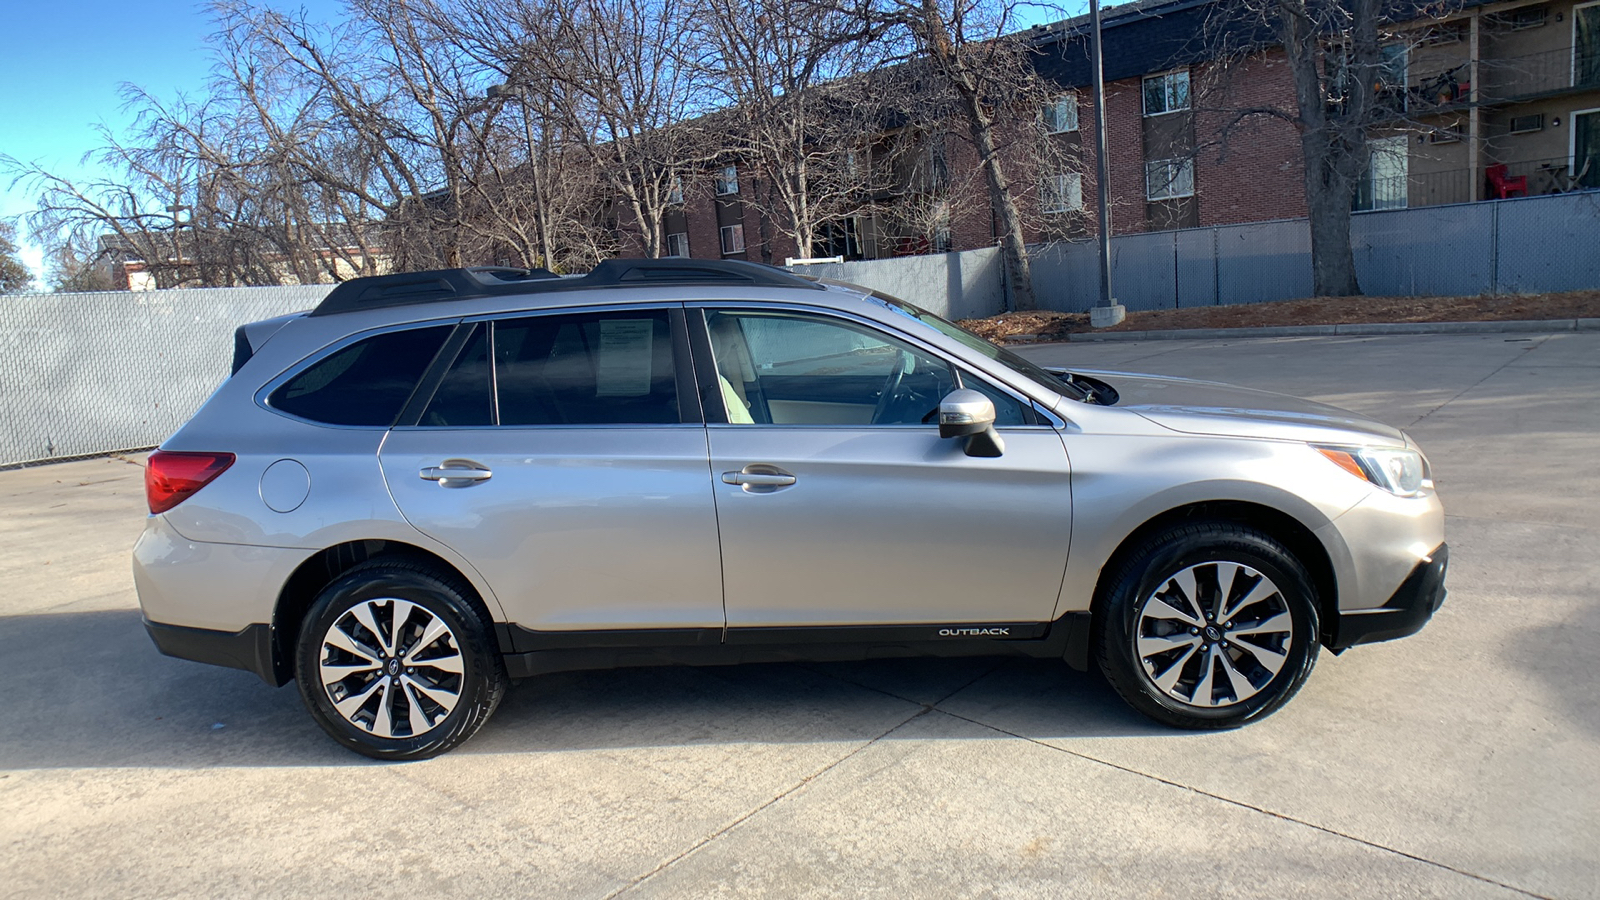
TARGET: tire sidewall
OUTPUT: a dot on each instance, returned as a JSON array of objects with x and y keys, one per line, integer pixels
[
  {"x": 1165, "y": 558},
  {"x": 482, "y": 676}
]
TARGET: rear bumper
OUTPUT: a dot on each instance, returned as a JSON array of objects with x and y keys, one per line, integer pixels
[
  {"x": 249, "y": 649},
  {"x": 1413, "y": 604}
]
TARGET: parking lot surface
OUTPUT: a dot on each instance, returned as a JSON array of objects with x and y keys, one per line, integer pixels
[{"x": 1461, "y": 762}]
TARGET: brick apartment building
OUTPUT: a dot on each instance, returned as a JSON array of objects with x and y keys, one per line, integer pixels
[{"x": 1490, "y": 101}]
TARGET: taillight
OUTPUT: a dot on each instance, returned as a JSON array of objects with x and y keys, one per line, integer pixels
[{"x": 169, "y": 478}]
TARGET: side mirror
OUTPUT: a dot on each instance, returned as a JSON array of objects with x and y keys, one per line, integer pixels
[{"x": 969, "y": 414}]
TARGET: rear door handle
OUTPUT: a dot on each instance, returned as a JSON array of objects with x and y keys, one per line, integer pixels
[
  {"x": 759, "y": 479},
  {"x": 455, "y": 473}
]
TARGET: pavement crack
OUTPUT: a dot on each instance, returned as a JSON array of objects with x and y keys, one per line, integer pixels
[
  {"x": 1253, "y": 808},
  {"x": 797, "y": 786},
  {"x": 926, "y": 706},
  {"x": 1502, "y": 367}
]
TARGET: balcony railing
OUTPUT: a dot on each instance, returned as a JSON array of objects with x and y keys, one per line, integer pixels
[
  {"x": 1549, "y": 72},
  {"x": 1542, "y": 176},
  {"x": 1501, "y": 80}
]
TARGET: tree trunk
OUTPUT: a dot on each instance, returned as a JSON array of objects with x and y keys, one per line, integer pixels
[
  {"x": 1330, "y": 172},
  {"x": 1328, "y": 202},
  {"x": 1013, "y": 246}
]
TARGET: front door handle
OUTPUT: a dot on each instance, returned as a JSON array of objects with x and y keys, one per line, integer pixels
[
  {"x": 759, "y": 479},
  {"x": 456, "y": 473}
]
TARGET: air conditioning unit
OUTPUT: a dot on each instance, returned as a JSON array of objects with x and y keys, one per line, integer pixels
[{"x": 1525, "y": 124}]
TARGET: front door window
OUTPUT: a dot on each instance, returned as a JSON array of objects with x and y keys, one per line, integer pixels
[{"x": 792, "y": 369}]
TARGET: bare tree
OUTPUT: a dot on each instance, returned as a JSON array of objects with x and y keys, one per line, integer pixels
[
  {"x": 1334, "y": 54},
  {"x": 799, "y": 113},
  {"x": 628, "y": 95},
  {"x": 973, "y": 58},
  {"x": 15, "y": 276},
  {"x": 537, "y": 188}
]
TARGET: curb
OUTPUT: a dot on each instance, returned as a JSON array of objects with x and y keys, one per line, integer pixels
[{"x": 1519, "y": 326}]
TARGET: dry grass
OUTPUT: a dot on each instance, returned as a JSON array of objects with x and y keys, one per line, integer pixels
[{"x": 1047, "y": 326}]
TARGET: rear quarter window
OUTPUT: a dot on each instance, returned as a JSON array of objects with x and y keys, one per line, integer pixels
[{"x": 364, "y": 384}]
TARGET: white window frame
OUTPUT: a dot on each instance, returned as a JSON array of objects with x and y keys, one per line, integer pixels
[
  {"x": 1188, "y": 96},
  {"x": 683, "y": 244},
  {"x": 727, "y": 181},
  {"x": 1572, "y": 69},
  {"x": 734, "y": 232},
  {"x": 1572, "y": 134},
  {"x": 1167, "y": 193},
  {"x": 1399, "y": 148},
  {"x": 1062, "y": 193},
  {"x": 675, "y": 194},
  {"x": 1051, "y": 116}
]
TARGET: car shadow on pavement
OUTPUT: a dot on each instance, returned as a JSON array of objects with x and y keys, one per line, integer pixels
[{"x": 88, "y": 690}]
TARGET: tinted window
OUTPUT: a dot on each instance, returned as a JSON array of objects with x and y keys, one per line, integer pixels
[
  {"x": 1007, "y": 409},
  {"x": 978, "y": 344},
  {"x": 365, "y": 383},
  {"x": 593, "y": 369},
  {"x": 807, "y": 370},
  {"x": 464, "y": 397}
]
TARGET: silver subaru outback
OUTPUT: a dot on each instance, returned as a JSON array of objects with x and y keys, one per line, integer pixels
[{"x": 435, "y": 483}]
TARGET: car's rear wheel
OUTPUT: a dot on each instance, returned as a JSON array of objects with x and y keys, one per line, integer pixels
[
  {"x": 396, "y": 661},
  {"x": 1208, "y": 625}
]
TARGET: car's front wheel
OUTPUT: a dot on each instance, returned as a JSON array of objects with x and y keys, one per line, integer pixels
[
  {"x": 1208, "y": 625},
  {"x": 396, "y": 661}
]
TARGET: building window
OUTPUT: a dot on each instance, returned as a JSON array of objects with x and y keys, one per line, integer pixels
[
  {"x": 1586, "y": 45},
  {"x": 1524, "y": 124},
  {"x": 1168, "y": 92},
  {"x": 1061, "y": 115},
  {"x": 732, "y": 239},
  {"x": 728, "y": 181},
  {"x": 675, "y": 196},
  {"x": 1062, "y": 193},
  {"x": 1169, "y": 179},
  {"x": 678, "y": 244},
  {"x": 1387, "y": 184}
]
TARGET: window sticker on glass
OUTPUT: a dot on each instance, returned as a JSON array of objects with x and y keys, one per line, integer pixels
[{"x": 625, "y": 357}]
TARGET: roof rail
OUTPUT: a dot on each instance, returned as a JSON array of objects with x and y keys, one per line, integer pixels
[
  {"x": 405, "y": 288},
  {"x": 678, "y": 270},
  {"x": 439, "y": 285}
]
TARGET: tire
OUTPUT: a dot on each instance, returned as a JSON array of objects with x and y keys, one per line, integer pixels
[
  {"x": 1159, "y": 641},
  {"x": 414, "y": 696}
]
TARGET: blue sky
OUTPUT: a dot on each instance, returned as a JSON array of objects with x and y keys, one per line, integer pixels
[{"x": 62, "y": 65}]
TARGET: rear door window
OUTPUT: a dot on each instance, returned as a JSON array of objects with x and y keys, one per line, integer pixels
[
  {"x": 364, "y": 384},
  {"x": 610, "y": 368}
]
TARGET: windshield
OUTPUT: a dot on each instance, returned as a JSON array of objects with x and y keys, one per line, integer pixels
[{"x": 979, "y": 345}]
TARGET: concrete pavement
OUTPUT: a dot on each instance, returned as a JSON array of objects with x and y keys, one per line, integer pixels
[{"x": 1456, "y": 763}]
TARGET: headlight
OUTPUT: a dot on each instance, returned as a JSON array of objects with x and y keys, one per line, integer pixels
[{"x": 1399, "y": 471}]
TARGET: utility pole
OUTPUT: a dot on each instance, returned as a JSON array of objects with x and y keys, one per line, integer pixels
[{"x": 1108, "y": 311}]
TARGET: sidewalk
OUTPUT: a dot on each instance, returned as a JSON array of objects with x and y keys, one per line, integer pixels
[{"x": 1537, "y": 326}]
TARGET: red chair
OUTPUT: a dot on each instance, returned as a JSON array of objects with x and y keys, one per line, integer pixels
[{"x": 1502, "y": 185}]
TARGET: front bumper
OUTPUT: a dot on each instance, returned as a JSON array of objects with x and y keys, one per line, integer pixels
[
  {"x": 249, "y": 649},
  {"x": 1413, "y": 604}
]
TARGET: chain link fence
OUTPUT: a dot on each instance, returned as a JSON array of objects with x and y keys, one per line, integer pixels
[
  {"x": 1523, "y": 245},
  {"x": 82, "y": 374}
]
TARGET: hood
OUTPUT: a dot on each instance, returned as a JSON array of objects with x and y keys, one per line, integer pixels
[{"x": 1210, "y": 407}]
